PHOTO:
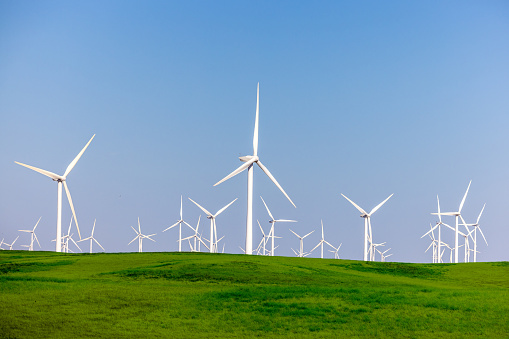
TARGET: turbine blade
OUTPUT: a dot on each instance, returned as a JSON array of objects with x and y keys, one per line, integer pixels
[
  {"x": 380, "y": 205},
  {"x": 35, "y": 236},
  {"x": 97, "y": 242},
  {"x": 222, "y": 209},
  {"x": 46, "y": 173},
  {"x": 268, "y": 211},
  {"x": 191, "y": 227},
  {"x": 180, "y": 207},
  {"x": 308, "y": 234},
  {"x": 203, "y": 209},
  {"x": 134, "y": 229},
  {"x": 285, "y": 220},
  {"x": 479, "y": 217},
  {"x": 439, "y": 215},
  {"x": 261, "y": 229},
  {"x": 432, "y": 229},
  {"x": 464, "y": 197},
  {"x": 298, "y": 236},
  {"x": 255, "y": 136},
  {"x": 237, "y": 171},
  {"x": 36, "y": 224},
  {"x": 315, "y": 247},
  {"x": 133, "y": 239},
  {"x": 266, "y": 170},
  {"x": 480, "y": 230},
  {"x": 72, "y": 207},
  {"x": 356, "y": 206},
  {"x": 73, "y": 163},
  {"x": 139, "y": 226},
  {"x": 175, "y": 224}
]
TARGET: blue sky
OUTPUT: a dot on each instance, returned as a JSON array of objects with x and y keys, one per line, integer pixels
[{"x": 363, "y": 98}]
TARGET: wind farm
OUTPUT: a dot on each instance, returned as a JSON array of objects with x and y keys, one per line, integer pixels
[{"x": 254, "y": 169}]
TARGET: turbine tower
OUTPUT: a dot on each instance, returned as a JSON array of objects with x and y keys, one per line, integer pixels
[
  {"x": 249, "y": 160},
  {"x": 213, "y": 230},
  {"x": 61, "y": 179},
  {"x": 456, "y": 216},
  {"x": 367, "y": 222}
]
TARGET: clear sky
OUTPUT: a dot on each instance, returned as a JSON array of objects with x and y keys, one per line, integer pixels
[{"x": 364, "y": 98}]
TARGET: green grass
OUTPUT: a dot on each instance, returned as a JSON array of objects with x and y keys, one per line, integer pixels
[{"x": 197, "y": 295}]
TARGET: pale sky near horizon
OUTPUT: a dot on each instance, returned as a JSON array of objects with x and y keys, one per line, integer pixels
[{"x": 363, "y": 98}]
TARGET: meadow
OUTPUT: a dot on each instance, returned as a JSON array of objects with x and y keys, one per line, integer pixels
[{"x": 201, "y": 295}]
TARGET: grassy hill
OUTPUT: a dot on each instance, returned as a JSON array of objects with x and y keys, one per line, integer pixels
[{"x": 198, "y": 295}]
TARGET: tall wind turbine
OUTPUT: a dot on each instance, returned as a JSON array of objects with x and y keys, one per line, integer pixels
[
  {"x": 61, "y": 179},
  {"x": 180, "y": 222},
  {"x": 92, "y": 239},
  {"x": 140, "y": 237},
  {"x": 249, "y": 160},
  {"x": 212, "y": 217},
  {"x": 32, "y": 237},
  {"x": 367, "y": 222},
  {"x": 456, "y": 216},
  {"x": 273, "y": 221}
]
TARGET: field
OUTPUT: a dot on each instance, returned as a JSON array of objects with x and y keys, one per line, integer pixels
[{"x": 198, "y": 295}]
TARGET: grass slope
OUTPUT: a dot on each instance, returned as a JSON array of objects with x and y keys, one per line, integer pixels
[{"x": 197, "y": 295}]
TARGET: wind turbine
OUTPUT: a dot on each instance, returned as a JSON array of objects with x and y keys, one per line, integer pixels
[
  {"x": 301, "y": 250},
  {"x": 12, "y": 244},
  {"x": 91, "y": 238},
  {"x": 273, "y": 221},
  {"x": 66, "y": 238},
  {"x": 179, "y": 222},
  {"x": 196, "y": 237},
  {"x": 476, "y": 226},
  {"x": 322, "y": 241},
  {"x": 140, "y": 237},
  {"x": 367, "y": 222},
  {"x": 32, "y": 237},
  {"x": 61, "y": 179},
  {"x": 249, "y": 160},
  {"x": 456, "y": 216},
  {"x": 212, "y": 218},
  {"x": 336, "y": 250},
  {"x": 264, "y": 240}
]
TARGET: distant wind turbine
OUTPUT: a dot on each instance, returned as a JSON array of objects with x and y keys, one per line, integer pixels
[
  {"x": 140, "y": 237},
  {"x": 32, "y": 237},
  {"x": 456, "y": 216},
  {"x": 92, "y": 239},
  {"x": 12, "y": 244},
  {"x": 322, "y": 241},
  {"x": 301, "y": 247},
  {"x": 213, "y": 230},
  {"x": 61, "y": 179},
  {"x": 477, "y": 227},
  {"x": 249, "y": 160},
  {"x": 273, "y": 221},
  {"x": 367, "y": 222},
  {"x": 179, "y": 222}
]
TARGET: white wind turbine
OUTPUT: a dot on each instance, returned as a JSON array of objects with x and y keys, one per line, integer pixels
[
  {"x": 434, "y": 243},
  {"x": 373, "y": 249},
  {"x": 335, "y": 251},
  {"x": 301, "y": 249},
  {"x": 92, "y": 239},
  {"x": 456, "y": 215},
  {"x": 322, "y": 241},
  {"x": 66, "y": 238},
  {"x": 12, "y": 244},
  {"x": 213, "y": 230},
  {"x": 273, "y": 221},
  {"x": 476, "y": 227},
  {"x": 32, "y": 237},
  {"x": 179, "y": 222},
  {"x": 61, "y": 179},
  {"x": 197, "y": 238},
  {"x": 140, "y": 237},
  {"x": 264, "y": 240},
  {"x": 367, "y": 222},
  {"x": 249, "y": 160}
]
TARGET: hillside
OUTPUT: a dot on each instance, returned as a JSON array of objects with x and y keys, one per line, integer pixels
[{"x": 198, "y": 295}]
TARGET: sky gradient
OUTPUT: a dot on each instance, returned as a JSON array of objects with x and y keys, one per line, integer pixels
[{"x": 363, "y": 98}]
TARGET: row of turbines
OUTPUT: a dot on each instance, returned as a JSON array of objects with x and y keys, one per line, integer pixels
[{"x": 370, "y": 247}]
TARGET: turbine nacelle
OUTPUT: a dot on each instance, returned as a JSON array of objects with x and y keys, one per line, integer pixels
[{"x": 246, "y": 158}]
